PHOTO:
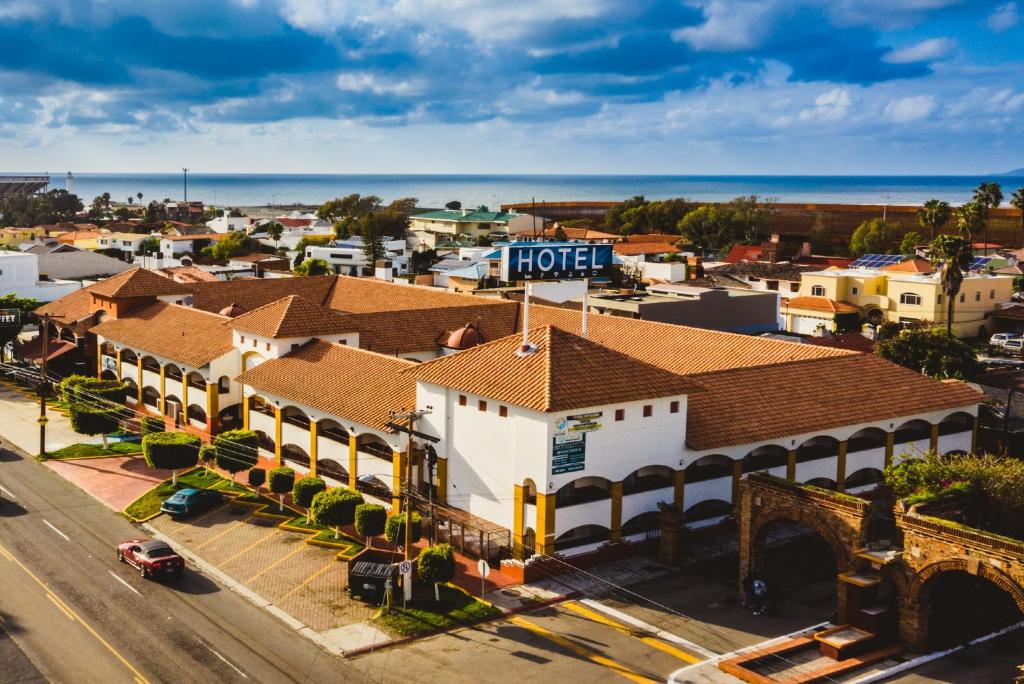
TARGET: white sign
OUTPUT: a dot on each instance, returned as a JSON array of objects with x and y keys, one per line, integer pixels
[
  {"x": 405, "y": 567},
  {"x": 483, "y": 568}
]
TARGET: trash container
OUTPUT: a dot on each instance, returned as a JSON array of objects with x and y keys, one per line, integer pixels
[{"x": 367, "y": 580}]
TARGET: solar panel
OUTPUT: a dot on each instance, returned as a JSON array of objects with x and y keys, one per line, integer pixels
[
  {"x": 877, "y": 260},
  {"x": 979, "y": 263}
]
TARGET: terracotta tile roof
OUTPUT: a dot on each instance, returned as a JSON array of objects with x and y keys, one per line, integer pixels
[
  {"x": 749, "y": 405},
  {"x": 138, "y": 282},
  {"x": 678, "y": 348},
  {"x": 853, "y": 341},
  {"x": 288, "y": 222},
  {"x": 187, "y": 274},
  {"x": 565, "y": 372},
  {"x": 359, "y": 295},
  {"x": 195, "y": 236},
  {"x": 637, "y": 248},
  {"x": 1014, "y": 312},
  {"x": 574, "y": 233},
  {"x": 655, "y": 237},
  {"x": 72, "y": 310},
  {"x": 822, "y": 304},
  {"x": 740, "y": 253},
  {"x": 915, "y": 265},
  {"x": 259, "y": 256},
  {"x": 252, "y": 293},
  {"x": 179, "y": 333},
  {"x": 292, "y": 316},
  {"x": 417, "y": 330},
  {"x": 73, "y": 235},
  {"x": 347, "y": 382}
]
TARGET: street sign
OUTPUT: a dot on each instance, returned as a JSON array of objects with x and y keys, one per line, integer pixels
[
  {"x": 554, "y": 261},
  {"x": 405, "y": 567},
  {"x": 483, "y": 568}
]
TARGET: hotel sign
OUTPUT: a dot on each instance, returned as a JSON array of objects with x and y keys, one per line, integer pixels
[{"x": 554, "y": 261}]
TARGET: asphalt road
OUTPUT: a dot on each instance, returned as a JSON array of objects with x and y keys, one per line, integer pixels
[{"x": 80, "y": 616}]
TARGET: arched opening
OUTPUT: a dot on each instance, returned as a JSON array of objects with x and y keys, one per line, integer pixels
[
  {"x": 260, "y": 405},
  {"x": 817, "y": 448},
  {"x": 375, "y": 446},
  {"x": 131, "y": 389},
  {"x": 151, "y": 398},
  {"x": 150, "y": 364},
  {"x": 293, "y": 453},
  {"x": 529, "y": 492},
  {"x": 582, "y": 490},
  {"x": 707, "y": 512},
  {"x": 863, "y": 479},
  {"x": 866, "y": 439},
  {"x": 960, "y": 607},
  {"x": 171, "y": 404},
  {"x": 529, "y": 541},
  {"x": 913, "y": 431},
  {"x": 196, "y": 381},
  {"x": 223, "y": 384},
  {"x": 642, "y": 524},
  {"x": 956, "y": 422},
  {"x": 647, "y": 479},
  {"x": 709, "y": 468},
  {"x": 127, "y": 357},
  {"x": 798, "y": 562},
  {"x": 581, "y": 536},
  {"x": 332, "y": 430},
  {"x": 251, "y": 360},
  {"x": 765, "y": 458},
  {"x": 172, "y": 372},
  {"x": 373, "y": 485},
  {"x": 330, "y": 468},
  {"x": 197, "y": 413},
  {"x": 266, "y": 442},
  {"x": 874, "y": 316},
  {"x": 67, "y": 335},
  {"x": 822, "y": 483},
  {"x": 108, "y": 375},
  {"x": 108, "y": 349},
  {"x": 295, "y": 416}
]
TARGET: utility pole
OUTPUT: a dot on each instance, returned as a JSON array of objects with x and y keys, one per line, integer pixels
[
  {"x": 44, "y": 385},
  {"x": 185, "y": 172},
  {"x": 410, "y": 418}
]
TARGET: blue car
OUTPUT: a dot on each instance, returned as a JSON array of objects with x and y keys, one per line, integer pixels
[{"x": 189, "y": 501}]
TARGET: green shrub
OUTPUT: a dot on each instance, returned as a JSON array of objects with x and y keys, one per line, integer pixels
[
  {"x": 257, "y": 476},
  {"x": 89, "y": 419},
  {"x": 370, "y": 520},
  {"x": 208, "y": 456},
  {"x": 304, "y": 489},
  {"x": 171, "y": 451},
  {"x": 237, "y": 450},
  {"x": 394, "y": 530},
  {"x": 151, "y": 424},
  {"x": 437, "y": 564},
  {"x": 281, "y": 482},
  {"x": 335, "y": 507},
  {"x": 68, "y": 385}
]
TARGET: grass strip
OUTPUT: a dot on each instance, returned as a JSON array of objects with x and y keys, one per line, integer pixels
[
  {"x": 424, "y": 615},
  {"x": 95, "y": 451}
]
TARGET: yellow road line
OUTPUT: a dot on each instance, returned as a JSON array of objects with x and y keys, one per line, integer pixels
[
  {"x": 309, "y": 579},
  {"x": 221, "y": 534},
  {"x": 592, "y": 656},
  {"x": 280, "y": 560},
  {"x": 250, "y": 546},
  {"x": 138, "y": 675},
  {"x": 650, "y": 641},
  {"x": 61, "y": 608}
]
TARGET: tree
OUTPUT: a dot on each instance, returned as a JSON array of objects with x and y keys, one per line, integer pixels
[
  {"x": 933, "y": 215},
  {"x": 208, "y": 456},
  {"x": 910, "y": 242},
  {"x": 171, "y": 451},
  {"x": 403, "y": 205},
  {"x": 436, "y": 564},
  {"x": 55, "y": 206},
  {"x": 274, "y": 231},
  {"x": 257, "y": 477},
  {"x": 304, "y": 490},
  {"x": 394, "y": 529},
  {"x": 935, "y": 353},
  {"x": 154, "y": 212},
  {"x": 237, "y": 450},
  {"x": 139, "y": 196},
  {"x": 751, "y": 217},
  {"x": 89, "y": 419},
  {"x": 989, "y": 196},
  {"x": 560, "y": 233},
  {"x": 454, "y": 205},
  {"x": 709, "y": 227},
  {"x": 312, "y": 267},
  {"x": 149, "y": 246},
  {"x": 281, "y": 481},
  {"x": 335, "y": 507},
  {"x": 373, "y": 245},
  {"x": 613, "y": 220},
  {"x": 820, "y": 235},
  {"x": 351, "y": 205},
  {"x": 874, "y": 236},
  {"x": 94, "y": 406},
  {"x": 370, "y": 520},
  {"x": 970, "y": 218},
  {"x": 24, "y": 305},
  {"x": 1017, "y": 201},
  {"x": 952, "y": 255},
  {"x": 233, "y": 244}
]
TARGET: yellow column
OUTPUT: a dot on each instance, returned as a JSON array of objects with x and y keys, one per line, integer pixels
[
  {"x": 442, "y": 482},
  {"x": 139, "y": 360},
  {"x": 99, "y": 360},
  {"x": 184, "y": 392},
  {"x": 841, "y": 466},
  {"x": 545, "y": 523},
  {"x": 277, "y": 437},
  {"x": 974, "y": 435},
  {"x": 313, "y": 446},
  {"x": 353, "y": 462},
  {"x": 163, "y": 391},
  {"x": 517, "y": 520},
  {"x": 678, "y": 481},
  {"x": 934, "y": 443},
  {"x": 890, "y": 442},
  {"x": 616, "y": 525},
  {"x": 397, "y": 480},
  {"x": 118, "y": 364},
  {"x": 212, "y": 404},
  {"x": 791, "y": 465},
  {"x": 245, "y": 412},
  {"x": 737, "y": 473}
]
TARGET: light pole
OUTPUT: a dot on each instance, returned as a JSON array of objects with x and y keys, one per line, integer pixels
[{"x": 184, "y": 171}]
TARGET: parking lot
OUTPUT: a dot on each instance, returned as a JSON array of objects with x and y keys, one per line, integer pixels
[{"x": 305, "y": 581}]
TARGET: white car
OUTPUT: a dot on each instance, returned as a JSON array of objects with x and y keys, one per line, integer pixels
[
  {"x": 1000, "y": 339},
  {"x": 1014, "y": 346}
]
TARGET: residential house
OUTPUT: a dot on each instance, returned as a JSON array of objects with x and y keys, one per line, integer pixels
[
  {"x": 176, "y": 245},
  {"x": 346, "y": 257},
  {"x": 226, "y": 223},
  {"x": 82, "y": 239},
  {"x": 19, "y": 275},
  {"x": 127, "y": 244},
  {"x": 457, "y": 227}
]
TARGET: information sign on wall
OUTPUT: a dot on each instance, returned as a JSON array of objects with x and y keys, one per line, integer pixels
[
  {"x": 568, "y": 453},
  {"x": 554, "y": 261}
]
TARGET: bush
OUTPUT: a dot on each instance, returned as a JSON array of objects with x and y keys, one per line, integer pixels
[
  {"x": 237, "y": 450},
  {"x": 437, "y": 564},
  {"x": 932, "y": 352},
  {"x": 70, "y": 383},
  {"x": 88, "y": 419},
  {"x": 370, "y": 520},
  {"x": 208, "y": 455},
  {"x": 304, "y": 489},
  {"x": 394, "y": 530},
  {"x": 171, "y": 451},
  {"x": 150, "y": 424},
  {"x": 257, "y": 476},
  {"x": 335, "y": 507},
  {"x": 281, "y": 482}
]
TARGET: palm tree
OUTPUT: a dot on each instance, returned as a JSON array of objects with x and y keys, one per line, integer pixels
[
  {"x": 1017, "y": 200},
  {"x": 139, "y": 195},
  {"x": 274, "y": 232},
  {"x": 952, "y": 255},
  {"x": 989, "y": 196},
  {"x": 969, "y": 217},
  {"x": 933, "y": 215}
]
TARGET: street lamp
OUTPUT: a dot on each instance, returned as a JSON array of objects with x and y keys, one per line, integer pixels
[{"x": 185, "y": 172}]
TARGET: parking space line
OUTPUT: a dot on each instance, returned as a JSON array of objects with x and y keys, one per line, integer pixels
[
  {"x": 206, "y": 515},
  {"x": 581, "y": 651},
  {"x": 221, "y": 534},
  {"x": 280, "y": 560},
  {"x": 272, "y": 531},
  {"x": 309, "y": 579},
  {"x": 7, "y": 492},
  {"x": 650, "y": 641}
]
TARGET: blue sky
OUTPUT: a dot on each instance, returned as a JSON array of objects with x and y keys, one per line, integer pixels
[{"x": 530, "y": 86}]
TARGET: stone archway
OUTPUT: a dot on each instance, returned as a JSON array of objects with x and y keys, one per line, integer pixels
[{"x": 805, "y": 517}]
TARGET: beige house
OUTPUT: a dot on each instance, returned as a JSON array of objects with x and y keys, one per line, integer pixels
[{"x": 906, "y": 292}]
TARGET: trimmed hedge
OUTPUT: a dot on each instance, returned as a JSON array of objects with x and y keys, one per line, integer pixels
[
  {"x": 370, "y": 520},
  {"x": 85, "y": 388},
  {"x": 305, "y": 488},
  {"x": 394, "y": 529},
  {"x": 237, "y": 450},
  {"x": 335, "y": 507},
  {"x": 151, "y": 424},
  {"x": 281, "y": 480},
  {"x": 257, "y": 477},
  {"x": 89, "y": 420},
  {"x": 436, "y": 564},
  {"x": 170, "y": 450}
]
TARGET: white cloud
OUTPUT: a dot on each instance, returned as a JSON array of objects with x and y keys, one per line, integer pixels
[
  {"x": 729, "y": 27},
  {"x": 829, "y": 106},
  {"x": 908, "y": 109},
  {"x": 1004, "y": 17},
  {"x": 366, "y": 82},
  {"x": 925, "y": 51}
]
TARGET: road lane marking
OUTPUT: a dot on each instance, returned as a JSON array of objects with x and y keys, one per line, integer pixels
[
  {"x": 61, "y": 608},
  {"x": 122, "y": 581},
  {"x": 227, "y": 662},
  {"x": 138, "y": 675},
  {"x": 581, "y": 651},
  {"x": 221, "y": 534},
  {"x": 7, "y": 492},
  {"x": 654, "y": 631},
  {"x": 204, "y": 516},
  {"x": 308, "y": 580},
  {"x": 619, "y": 627},
  {"x": 273, "y": 565},
  {"x": 50, "y": 525}
]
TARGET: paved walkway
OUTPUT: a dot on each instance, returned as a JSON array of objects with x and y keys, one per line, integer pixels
[
  {"x": 20, "y": 412},
  {"x": 116, "y": 481}
]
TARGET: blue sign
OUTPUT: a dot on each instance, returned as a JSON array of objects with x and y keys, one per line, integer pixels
[
  {"x": 568, "y": 454},
  {"x": 554, "y": 261}
]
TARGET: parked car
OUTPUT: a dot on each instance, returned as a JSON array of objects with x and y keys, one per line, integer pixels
[
  {"x": 497, "y": 235},
  {"x": 1000, "y": 339},
  {"x": 152, "y": 558},
  {"x": 189, "y": 501},
  {"x": 1015, "y": 346}
]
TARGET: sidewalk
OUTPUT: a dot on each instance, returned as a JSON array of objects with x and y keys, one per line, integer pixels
[{"x": 21, "y": 428}]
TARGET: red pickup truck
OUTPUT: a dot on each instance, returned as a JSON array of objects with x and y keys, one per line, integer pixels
[{"x": 152, "y": 558}]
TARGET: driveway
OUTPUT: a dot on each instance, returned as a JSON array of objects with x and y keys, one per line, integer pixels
[{"x": 116, "y": 481}]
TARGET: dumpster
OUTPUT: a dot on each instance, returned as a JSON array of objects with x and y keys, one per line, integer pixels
[{"x": 367, "y": 580}]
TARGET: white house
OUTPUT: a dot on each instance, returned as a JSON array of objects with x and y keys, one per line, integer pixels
[
  {"x": 19, "y": 275},
  {"x": 225, "y": 223},
  {"x": 346, "y": 257}
]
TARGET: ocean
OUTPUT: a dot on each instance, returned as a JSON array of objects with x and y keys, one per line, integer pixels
[{"x": 493, "y": 190}]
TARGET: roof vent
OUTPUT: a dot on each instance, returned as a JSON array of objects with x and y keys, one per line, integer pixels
[{"x": 525, "y": 350}]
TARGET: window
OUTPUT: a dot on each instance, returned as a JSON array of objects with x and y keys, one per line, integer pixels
[
  {"x": 620, "y": 414},
  {"x": 910, "y": 298},
  {"x": 462, "y": 400},
  {"x": 503, "y": 411},
  {"x": 648, "y": 411},
  {"x": 481, "y": 405},
  {"x": 673, "y": 407},
  {"x": 771, "y": 284},
  {"x": 295, "y": 345},
  {"x": 794, "y": 287},
  {"x": 938, "y": 299},
  {"x": 817, "y": 291},
  {"x": 853, "y": 290},
  {"x": 977, "y": 296},
  {"x": 963, "y": 297},
  {"x": 268, "y": 346},
  {"x": 991, "y": 294}
]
